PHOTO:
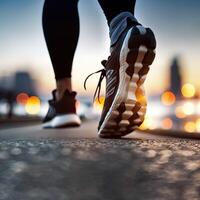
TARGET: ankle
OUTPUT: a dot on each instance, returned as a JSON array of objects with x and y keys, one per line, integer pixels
[{"x": 61, "y": 86}]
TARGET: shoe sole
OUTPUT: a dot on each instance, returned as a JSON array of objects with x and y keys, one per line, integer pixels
[
  {"x": 63, "y": 121},
  {"x": 128, "y": 109}
]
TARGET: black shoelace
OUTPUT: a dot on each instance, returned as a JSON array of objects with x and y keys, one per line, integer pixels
[{"x": 102, "y": 75}]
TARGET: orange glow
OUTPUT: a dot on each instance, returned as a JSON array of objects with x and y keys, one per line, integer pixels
[
  {"x": 198, "y": 125},
  {"x": 179, "y": 112},
  {"x": 98, "y": 104},
  {"x": 168, "y": 98},
  {"x": 141, "y": 97},
  {"x": 142, "y": 100},
  {"x": 188, "y": 90},
  {"x": 33, "y": 105},
  {"x": 190, "y": 127},
  {"x": 22, "y": 98},
  {"x": 147, "y": 124},
  {"x": 167, "y": 123}
]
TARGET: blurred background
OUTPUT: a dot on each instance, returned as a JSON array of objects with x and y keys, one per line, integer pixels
[{"x": 173, "y": 87}]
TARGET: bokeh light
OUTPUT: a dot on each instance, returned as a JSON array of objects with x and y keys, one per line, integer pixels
[
  {"x": 167, "y": 123},
  {"x": 33, "y": 105},
  {"x": 198, "y": 125},
  {"x": 190, "y": 127},
  {"x": 99, "y": 103},
  {"x": 147, "y": 124},
  {"x": 188, "y": 90},
  {"x": 188, "y": 108},
  {"x": 179, "y": 112},
  {"x": 198, "y": 107},
  {"x": 22, "y": 98},
  {"x": 168, "y": 98}
]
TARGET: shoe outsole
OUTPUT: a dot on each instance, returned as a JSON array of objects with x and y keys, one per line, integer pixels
[
  {"x": 128, "y": 109},
  {"x": 63, "y": 121}
]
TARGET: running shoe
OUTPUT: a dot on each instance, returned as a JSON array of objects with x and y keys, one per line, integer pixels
[
  {"x": 132, "y": 52},
  {"x": 62, "y": 113}
]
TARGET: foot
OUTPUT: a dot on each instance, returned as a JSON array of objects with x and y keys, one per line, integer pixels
[
  {"x": 132, "y": 52},
  {"x": 62, "y": 113}
]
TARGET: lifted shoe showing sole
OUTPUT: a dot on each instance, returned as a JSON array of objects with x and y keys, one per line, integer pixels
[{"x": 128, "y": 108}]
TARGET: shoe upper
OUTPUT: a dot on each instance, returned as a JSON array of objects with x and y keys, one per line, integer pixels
[
  {"x": 118, "y": 30},
  {"x": 112, "y": 82},
  {"x": 119, "y": 24},
  {"x": 66, "y": 105}
]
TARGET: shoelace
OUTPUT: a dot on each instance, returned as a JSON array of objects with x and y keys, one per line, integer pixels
[{"x": 98, "y": 88}]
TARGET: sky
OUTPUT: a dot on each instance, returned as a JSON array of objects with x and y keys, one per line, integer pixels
[{"x": 176, "y": 25}]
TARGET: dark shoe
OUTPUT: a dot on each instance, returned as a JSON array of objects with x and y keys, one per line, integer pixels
[
  {"x": 132, "y": 51},
  {"x": 62, "y": 113}
]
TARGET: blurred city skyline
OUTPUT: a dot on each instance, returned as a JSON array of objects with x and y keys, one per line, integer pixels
[{"x": 176, "y": 25}]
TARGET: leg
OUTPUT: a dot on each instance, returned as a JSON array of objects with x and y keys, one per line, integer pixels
[
  {"x": 61, "y": 31},
  {"x": 112, "y": 8}
]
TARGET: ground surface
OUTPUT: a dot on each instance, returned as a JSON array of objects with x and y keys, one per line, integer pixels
[{"x": 38, "y": 164}]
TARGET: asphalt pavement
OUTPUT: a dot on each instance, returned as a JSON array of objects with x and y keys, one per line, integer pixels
[{"x": 75, "y": 164}]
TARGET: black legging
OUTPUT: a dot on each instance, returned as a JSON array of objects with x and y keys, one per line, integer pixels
[{"x": 61, "y": 29}]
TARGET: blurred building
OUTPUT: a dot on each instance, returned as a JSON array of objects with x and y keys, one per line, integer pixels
[
  {"x": 176, "y": 78},
  {"x": 17, "y": 83},
  {"x": 23, "y": 82},
  {"x": 13, "y": 85}
]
